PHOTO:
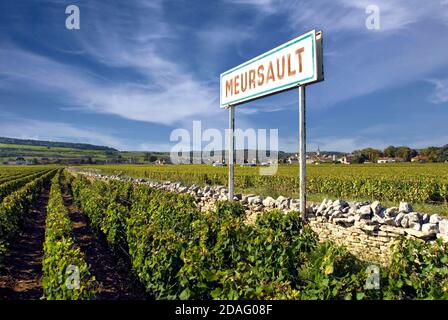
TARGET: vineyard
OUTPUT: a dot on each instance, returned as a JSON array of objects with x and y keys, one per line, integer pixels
[
  {"x": 416, "y": 183},
  {"x": 118, "y": 240},
  {"x": 16, "y": 196}
]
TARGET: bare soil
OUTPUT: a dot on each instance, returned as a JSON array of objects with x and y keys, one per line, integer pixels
[
  {"x": 20, "y": 276},
  {"x": 113, "y": 277}
]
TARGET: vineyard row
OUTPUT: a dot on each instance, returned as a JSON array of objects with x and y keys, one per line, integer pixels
[
  {"x": 16, "y": 203},
  {"x": 178, "y": 252}
]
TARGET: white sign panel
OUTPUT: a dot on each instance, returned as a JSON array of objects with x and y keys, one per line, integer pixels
[{"x": 294, "y": 63}]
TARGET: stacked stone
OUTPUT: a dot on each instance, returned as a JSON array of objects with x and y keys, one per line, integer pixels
[{"x": 373, "y": 217}]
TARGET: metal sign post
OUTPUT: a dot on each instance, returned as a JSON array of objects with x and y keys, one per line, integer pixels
[
  {"x": 231, "y": 160},
  {"x": 302, "y": 150},
  {"x": 298, "y": 62}
]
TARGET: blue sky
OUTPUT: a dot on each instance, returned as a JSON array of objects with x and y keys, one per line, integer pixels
[{"x": 138, "y": 69}]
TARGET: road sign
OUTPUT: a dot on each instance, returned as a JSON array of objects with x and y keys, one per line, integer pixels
[{"x": 296, "y": 62}]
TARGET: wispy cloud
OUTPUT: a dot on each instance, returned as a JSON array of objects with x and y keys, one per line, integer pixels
[
  {"x": 160, "y": 147},
  {"x": 172, "y": 99},
  {"x": 266, "y": 6},
  {"x": 166, "y": 91},
  {"x": 350, "y": 15},
  {"x": 440, "y": 94},
  {"x": 369, "y": 61},
  {"x": 155, "y": 62},
  {"x": 265, "y": 107},
  {"x": 345, "y": 144}
]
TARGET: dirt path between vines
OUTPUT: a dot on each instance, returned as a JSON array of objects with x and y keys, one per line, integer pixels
[
  {"x": 114, "y": 282},
  {"x": 20, "y": 279}
]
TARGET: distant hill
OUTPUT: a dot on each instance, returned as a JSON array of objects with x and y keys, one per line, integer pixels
[
  {"x": 51, "y": 144},
  {"x": 26, "y": 151}
]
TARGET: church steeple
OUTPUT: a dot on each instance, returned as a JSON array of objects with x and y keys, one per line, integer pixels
[{"x": 318, "y": 151}]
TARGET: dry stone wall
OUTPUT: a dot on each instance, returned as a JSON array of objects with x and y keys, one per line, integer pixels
[
  {"x": 366, "y": 229},
  {"x": 365, "y": 244}
]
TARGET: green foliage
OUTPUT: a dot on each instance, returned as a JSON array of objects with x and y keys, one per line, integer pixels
[
  {"x": 433, "y": 154},
  {"x": 390, "y": 151},
  {"x": 178, "y": 252},
  {"x": 259, "y": 261},
  {"x": 106, "y": 207},
  {"x": 158, "y": 229},
  {"x": 418, "y": 270},
  {"x": 443, "y": 156},
  {"x": 333, "y": 273},
  {"x": 12, "y": 173},
  {"x": 13, "y": 207},
  {"x": 61, "y": 255},
  {"x": 368, "y": 154},
  {"x": 14, "y": 184},
  {"x": 405, "y": 153}
]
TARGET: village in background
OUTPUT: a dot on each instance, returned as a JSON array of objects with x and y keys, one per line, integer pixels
[{"x": 35, "y": 152}]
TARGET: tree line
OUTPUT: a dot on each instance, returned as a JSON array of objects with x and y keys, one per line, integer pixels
[{"x": 404, "y": 153}]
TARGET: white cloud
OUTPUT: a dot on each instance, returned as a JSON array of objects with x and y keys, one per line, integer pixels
[
  {"x": 217, "y": 37},
  {"x": 260, "y": 107},
  {"x": 160, "y": 147},
  {"x": 350, "y": 15},
  {"x": 405, "y": 49},
  {"x": 168, "y": 91},
  {"x": 440, "y": 94},
  {"x": 437, "y": 141},
  {"x": 265, "y": 6},
  {"x": 347, "y": 143},
  {"x": 165, "y": 91},
  {"x": 174, "y": 98}
]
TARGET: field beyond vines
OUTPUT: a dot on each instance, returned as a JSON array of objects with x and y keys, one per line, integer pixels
[{"x": 424, "y": 185}]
